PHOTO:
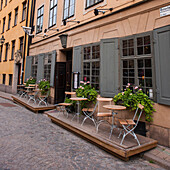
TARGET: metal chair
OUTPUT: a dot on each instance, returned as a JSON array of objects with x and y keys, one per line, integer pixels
[
  {"x": 63, "y": 107},
  {"x": 89, "y": 114},
  {"x": 43, "y": 98},
  {"x": 129, "y": 125}
]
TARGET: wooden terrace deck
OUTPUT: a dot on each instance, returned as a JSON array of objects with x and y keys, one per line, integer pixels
[{"x": 101, "y": 139}]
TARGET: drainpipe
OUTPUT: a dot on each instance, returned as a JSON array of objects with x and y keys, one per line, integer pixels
[
  {"x": 23, "y": 62},
  {"x": 31, "y": 23}
]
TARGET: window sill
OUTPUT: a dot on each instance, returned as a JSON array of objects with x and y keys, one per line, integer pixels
[
  {"x": 51, "y": 26},
  {"x": 22, "y": 21},
  {"x": 11, "y": 59},
  {"x": 93, "y": 5},
  {"x": 14, "y": 26},
  {"x": 7, "y": 30},
  {"x": 39, "y": 32},
  {"x": 4, "y": 60}
]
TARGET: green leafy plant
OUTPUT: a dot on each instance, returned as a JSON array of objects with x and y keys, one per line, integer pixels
[
  {"x": 44, "y": 86},
  {"x": 87, "y": 91},
  {"x": 131, "y": 99},
  {"x": 30, "y": 80}
]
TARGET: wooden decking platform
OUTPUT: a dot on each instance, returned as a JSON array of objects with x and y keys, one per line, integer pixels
[
  {"x": 101, "y": 139},
  {"x": 33, "y": 107}
]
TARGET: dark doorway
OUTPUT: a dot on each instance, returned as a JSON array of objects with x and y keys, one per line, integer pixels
[
  {"x": 60, "y": 80},
  {"x": 19, "y": 73},
  {"x": 68, "y": 70}
]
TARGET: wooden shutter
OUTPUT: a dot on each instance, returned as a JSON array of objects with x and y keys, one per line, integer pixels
[
  {"x": 162, "y": 64},
  {"x": 40, "y": 68},
  {"x": 77, "y": 65},
  {"x": 109, "y": 67},
  {"x": 28, "y": 67},
  {"x": 52, "y": 74}
]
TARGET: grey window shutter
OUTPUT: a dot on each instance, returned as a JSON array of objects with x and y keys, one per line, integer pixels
[
  {"x": 109, "y": 67},
  {"x": 162, "y": 64},
  {"x": 40, "y": 68},
  {"x": 77, "y": 59},
  {"x": 28, "y": 67},
  {"x": 52, "y": 74}
]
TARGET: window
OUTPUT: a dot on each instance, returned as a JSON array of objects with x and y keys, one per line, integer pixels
[
  {"x": 92, "y": 2},
  {"x": 10, "y": 79},
  {"x": 3, "y": 27},
  {"x": 136, "y": 56},
  {"x": 1, "y": 4},
  {"x": 53, "y": 13},
  {"x": 69, "y": 6},
  {"x": 6, "y": 52},
  {"x": 91, "y": 64},
  {"x": 13, "y": 50},
  {"x": 1, "y": 52},
  {"x": 24, "y": 11},
  {"x": 16, "y": 16},
  {"x": 3, "y": 78},
  {"x": 47, "y": 66},
  {"x": 6, "y": 2},
  {"x": 34, "y": 66},
  {"x": 9, "y": 20},
  {"x": 40, "y": 19},
  {"x": 21, "y": 44}
]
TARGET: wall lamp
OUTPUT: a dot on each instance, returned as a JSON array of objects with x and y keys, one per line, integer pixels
[
  {"x": 65, "y": 21},
  {"x": 2, "y": 40},
  {"x": 63, "y": 38},
  {"x": 53, "y": 29},
  {"x": 96, "y": 11}
]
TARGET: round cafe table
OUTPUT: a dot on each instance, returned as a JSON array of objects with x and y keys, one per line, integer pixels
[
  {"x": 113, "y": 108},
  {"x": 78, "y": 99}
]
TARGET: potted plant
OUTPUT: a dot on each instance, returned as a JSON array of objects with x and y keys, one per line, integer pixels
[
  {"x": 30, "y": 80},
  {"x": 44, "y": 86},
  {"x": 130, "y": 99},
  {"x": 87, "y": 91}
]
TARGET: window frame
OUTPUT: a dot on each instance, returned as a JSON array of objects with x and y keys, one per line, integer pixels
[
  {"x": 1, "y": 48},
  {"x": 13, "y": 50},
  {"x": 34, "y": 67},
  {"x": 69, "y": 16},
  {"x": 16, "y": 16},
  {"x": 3, "y": 79},
  {"x": 10, "y": 79},
  {"x": 47, "y": 64},
  {"x": 95, "y": 3},
  {"x": 24, "y": 8},
  {"x": 9, "y": 20},
  {"x": 3, "y": 26},
  {"x": 137, "y": 57},
  {"x": 1, "y": 4},
  {"x": 52, "y": 9},
  {"x": 91, "y": 60},
  {"x": 21, "y": 44},
  {"x": 39, "y": 17},
  {"x": 6, "y": 51}
]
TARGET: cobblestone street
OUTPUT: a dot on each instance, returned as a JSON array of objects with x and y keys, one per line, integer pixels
[{"x": 29, "y": 141}]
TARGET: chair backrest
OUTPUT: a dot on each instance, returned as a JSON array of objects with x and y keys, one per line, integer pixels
[
  {"x": 68, "y": 93},
  {"x": 139, "y": 111},
  {"x": 95, "y": 107}
]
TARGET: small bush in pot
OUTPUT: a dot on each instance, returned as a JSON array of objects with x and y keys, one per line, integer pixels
[{"x": 44, "y": 86}]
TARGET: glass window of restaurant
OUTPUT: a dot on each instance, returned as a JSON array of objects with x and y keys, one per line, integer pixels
[
  {"x": 137, "y": 62},
  {"x": 91, "y": 64}
]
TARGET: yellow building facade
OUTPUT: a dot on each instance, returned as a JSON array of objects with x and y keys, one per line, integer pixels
[{"x": 13, "y": 42}]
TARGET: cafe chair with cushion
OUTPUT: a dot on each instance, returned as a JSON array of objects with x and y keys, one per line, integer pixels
[
  {"x": 89, "y": 114},
  {"x": 129, "y": 125},
  {"x": 63, "y": 107}
]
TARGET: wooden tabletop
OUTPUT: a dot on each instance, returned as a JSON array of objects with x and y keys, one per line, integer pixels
[
  {"x": 114, "y": 107},
  {"x": 104, "y": 99},
  {"x": 78, "y": 98},
  {"x": 21, "y": 85},
  {"x": 29, "y": 87},
  {"x": 69, "y": 93}
]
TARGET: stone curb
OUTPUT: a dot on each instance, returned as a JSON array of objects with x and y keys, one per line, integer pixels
[
  {"x": 150, "y": 157},
  {"x": 6, "y": 98}
]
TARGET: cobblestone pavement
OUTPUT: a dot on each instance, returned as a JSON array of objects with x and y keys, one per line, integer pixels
[{"x": 29, "y": 141}]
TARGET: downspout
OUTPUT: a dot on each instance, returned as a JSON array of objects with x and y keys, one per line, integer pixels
[
  {"x": 23, "y": 61},
  {"x": 31, "y": 23}
]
